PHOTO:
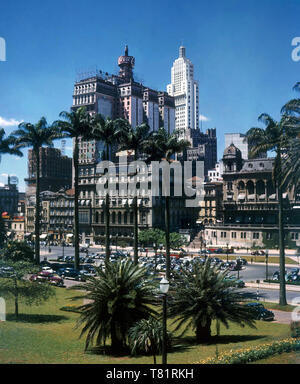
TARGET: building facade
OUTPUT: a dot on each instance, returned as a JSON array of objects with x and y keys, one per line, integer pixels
[
  {"x": 55, "y": 171},
  {"x": 9, "y": 197},
  {"x": 120, "y": 96},
  {"x": 250, "y": 205},
  {"x": 57, "y": 216}
]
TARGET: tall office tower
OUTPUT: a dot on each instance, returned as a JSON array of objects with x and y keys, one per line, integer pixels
[{"x": 185, "y": 90}]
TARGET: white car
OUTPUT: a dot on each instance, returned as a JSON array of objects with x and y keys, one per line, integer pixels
[{"x": 48, "y": 269}]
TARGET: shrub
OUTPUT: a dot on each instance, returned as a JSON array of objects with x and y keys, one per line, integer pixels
[
  {"x": 295, "y": 328},
  {"x": 243, "y": 356}
]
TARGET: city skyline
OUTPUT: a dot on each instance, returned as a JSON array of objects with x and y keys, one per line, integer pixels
[{"x": 40, "y": 68}]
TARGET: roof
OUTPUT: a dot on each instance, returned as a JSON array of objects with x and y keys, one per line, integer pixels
[{"x": 257, "y": 165}]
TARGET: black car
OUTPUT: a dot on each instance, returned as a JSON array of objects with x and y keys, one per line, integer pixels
[
  {"x": 260, "y": 312},
  {"x": 69, "y": 273}
]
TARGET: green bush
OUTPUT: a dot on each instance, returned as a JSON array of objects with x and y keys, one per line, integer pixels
[
  {"x": 295, "y": 329},
  {"x": 248, "y": 355}
]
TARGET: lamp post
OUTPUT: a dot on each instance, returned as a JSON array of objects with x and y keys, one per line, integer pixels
[
  {"x": 155, "y": 256},
  {"x": 116, "y": 242},
  {"x": 267, "y": 257},
  {"x": 164, "y": 288},
  {"x": 227, "y": 251}
]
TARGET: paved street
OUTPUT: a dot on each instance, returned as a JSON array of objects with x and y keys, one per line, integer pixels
[{"x": 250, "y": 273}]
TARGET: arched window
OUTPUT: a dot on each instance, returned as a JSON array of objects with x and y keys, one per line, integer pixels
[
  {"x": 113, "y": 217},
  {"x": 102, "y": 217},
  {"x": 250, "y": 187},
  {"x": 119, "y": 218},
  {"x": 260, "y": 187},
  {"x": 97, "y": 217},
  {"x": 131, "y": 217},
  {"x": 125, "y": 218}
]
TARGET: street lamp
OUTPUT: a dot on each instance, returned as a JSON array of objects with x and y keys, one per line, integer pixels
[
  {"x": 164, "y": 288},
  {"x": 116, "y": 242},
  {"x": 267, "y": 257},
  {"x": 227, "y": 251},
  {"x": 155, "y": 256}
]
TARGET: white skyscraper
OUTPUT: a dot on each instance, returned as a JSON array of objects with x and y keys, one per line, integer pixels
[{"x": 186, "y": 93}]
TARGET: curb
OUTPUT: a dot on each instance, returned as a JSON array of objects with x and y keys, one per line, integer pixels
[{"x": 272, "y": 286}]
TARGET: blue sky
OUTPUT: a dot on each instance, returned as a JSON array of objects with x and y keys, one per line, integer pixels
[{"x": 241, "y": 50}]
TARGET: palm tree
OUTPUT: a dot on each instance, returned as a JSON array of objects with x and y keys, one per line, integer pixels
[
  {"x": 35, "y": 136},
  {"x": 203, "y": 294},
  {"x": 163, "y": 146},
  {"x": 105, "y": 130},
  {"x": 133, "y": 138},
  {"x": 6, "y": 145},
  {"x": 291, "y": 162},
  {"x": 273, "y": 138},
  {"x": 118, "y": 297},
  {"x": 76, "y": 125},
  {"x": 146, "y": 336}
]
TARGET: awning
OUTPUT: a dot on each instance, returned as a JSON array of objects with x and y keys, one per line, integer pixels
[
  {"x": 284, "y": 195},
  {"x": 130, "y": 201},
  {"x": 8, "y": 233},
  {"x": 43, "y": 236},
  {"x": 139, "y": 201},
  {"x": 241, "y": 196},
  {"x": 69, "y": 235},
  {"x": 101, "y": 202},
  {"x": 88, "y": 202},
  {"x": 82, "y": 202},
  {"x": 251, "y": 197},
  {"x": 27, "y": 234},
  {"x": 124, "y": 201},
  {"x": 272, "y": 197},
  {"x": 262, "y": 197}
]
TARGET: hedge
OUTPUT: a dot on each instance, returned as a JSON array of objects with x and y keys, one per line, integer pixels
[{"x": 243, "y": 356}]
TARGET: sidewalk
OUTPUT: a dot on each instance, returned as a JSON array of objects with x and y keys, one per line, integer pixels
[{"x": 294, "y": 288}]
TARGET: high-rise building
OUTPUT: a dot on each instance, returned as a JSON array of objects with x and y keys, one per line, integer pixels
[
  {"x": 240, "y": 141},
  {"x": 55, "y": 171},
  {"x": 9, "y": 196},
  {"x": 185, "y": 91},
  {"x": 120, "y": 96}
]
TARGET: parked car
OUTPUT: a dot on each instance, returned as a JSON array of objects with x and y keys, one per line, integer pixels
[
  {"x": 45, "y": 276},
  {"x": 48, "y": 269},
  {"x": 243, "y": 261},
  {"x": 261, "y": 313},
  {"x": 69, "y": 273},
  {"x": 236, "y": 282}
]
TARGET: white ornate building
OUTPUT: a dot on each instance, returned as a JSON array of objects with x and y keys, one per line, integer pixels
[{"x": 185, "y": 90}]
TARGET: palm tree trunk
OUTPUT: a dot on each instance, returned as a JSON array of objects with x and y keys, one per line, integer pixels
[
  {"x": 203, "y": 333},
  {"x": 282, "y": 292},
  {"x": 167, "y": 224},
  {"x": 107, "y": 229},
  {"x": 76, "y": 210},
  {"x": 37, "y": 207},
  {"x": 135, "y": 231}
]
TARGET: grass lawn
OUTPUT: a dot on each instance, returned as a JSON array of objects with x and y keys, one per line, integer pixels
[
  {"x": 45, "y": 334},
  {"x": 262, "y": 259}
]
